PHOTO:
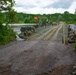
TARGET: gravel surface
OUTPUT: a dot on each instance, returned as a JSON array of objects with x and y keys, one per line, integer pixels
[{"x": 37, "y": 57}]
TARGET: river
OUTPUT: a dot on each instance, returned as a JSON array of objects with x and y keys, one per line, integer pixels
[{"x": 17, "y": 30}]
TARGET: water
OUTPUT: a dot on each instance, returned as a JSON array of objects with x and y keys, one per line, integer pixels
[
  {"x": 18, "y": 38},
  {"x": 17, "y": 30}
]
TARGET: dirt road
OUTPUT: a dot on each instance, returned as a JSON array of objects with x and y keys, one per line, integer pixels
[{"x": 38, "y": 56}]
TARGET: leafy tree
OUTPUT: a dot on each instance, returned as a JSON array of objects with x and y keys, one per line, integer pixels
[
  {"x": 66, "y": 16},
  {"x": 6, "y": 33}
]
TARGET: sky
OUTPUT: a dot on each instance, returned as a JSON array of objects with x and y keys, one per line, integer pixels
[{"x": 45, "y": 6}]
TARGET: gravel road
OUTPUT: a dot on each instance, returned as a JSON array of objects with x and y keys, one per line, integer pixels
[{"x": 37, "y": 57}]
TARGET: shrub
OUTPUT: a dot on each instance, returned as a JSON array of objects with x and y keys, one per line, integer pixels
[{"x": 6, "y": 35}]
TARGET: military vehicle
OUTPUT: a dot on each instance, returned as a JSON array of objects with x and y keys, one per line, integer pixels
[{"x": 27, "y": 31}]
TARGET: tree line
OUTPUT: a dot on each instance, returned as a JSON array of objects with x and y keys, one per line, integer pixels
[{"x": 49, "y": 18}]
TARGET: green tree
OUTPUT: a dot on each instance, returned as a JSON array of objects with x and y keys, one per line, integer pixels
[
  {"x": 6, "y": 33},
  {"x": 66, "y": 16}
]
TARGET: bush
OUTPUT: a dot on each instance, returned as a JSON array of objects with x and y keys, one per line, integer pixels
[{"x": 6, "y": 35}]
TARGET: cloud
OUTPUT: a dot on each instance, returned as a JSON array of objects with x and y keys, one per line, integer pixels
[
  {"x": 72, "y": 7},
  {"x": 45, "y": 6},
  {"x": 33, "y": 3},
  {"x": 61, "y": 4},
  {"x": 25, "y": 3}
]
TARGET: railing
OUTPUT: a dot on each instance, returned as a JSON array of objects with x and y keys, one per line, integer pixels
[{"x": 22, "y": 25}]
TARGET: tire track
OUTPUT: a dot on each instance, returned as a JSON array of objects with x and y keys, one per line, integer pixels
[{"x": 51, "y": 33}]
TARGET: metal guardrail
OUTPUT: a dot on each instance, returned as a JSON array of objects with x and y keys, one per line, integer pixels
[{"x": 22, "y": 25}]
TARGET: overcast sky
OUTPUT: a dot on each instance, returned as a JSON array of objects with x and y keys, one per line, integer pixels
[{"x": 45, "y": 6}]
